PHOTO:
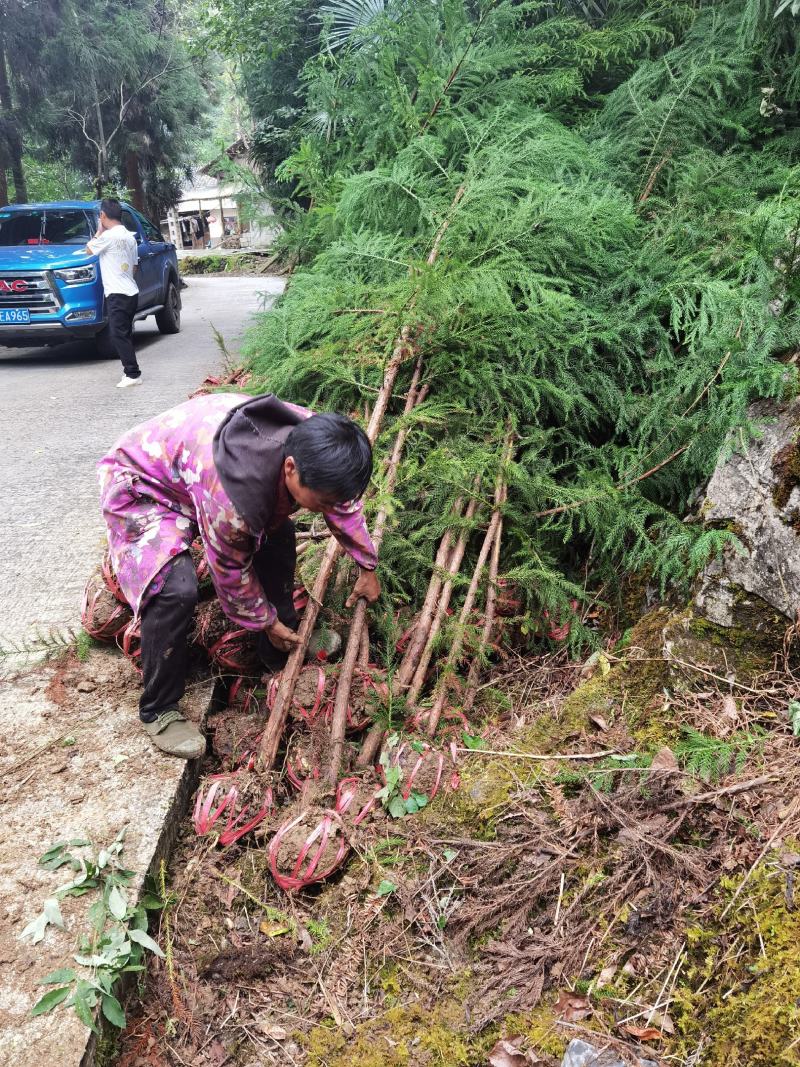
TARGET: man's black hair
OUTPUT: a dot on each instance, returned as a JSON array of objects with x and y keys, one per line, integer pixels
[
  {"x": 333, "y": 456},
  {"x": 112, "y": 207}
]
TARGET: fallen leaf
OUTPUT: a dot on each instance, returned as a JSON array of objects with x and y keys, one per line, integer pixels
[
  {"x": 663, "y": 1022},
  {"x": 664, "y": 762},
  {"x": 571, "y": 1007},
  {"x": 305, "y": 939},
  {"x": 606, "y": 976},
  {"x": 272, "y": 1030},
  {"x": 599, "y": 722},
  {"x": 273, "y": 929},
  {"x": 729, "y": 709},
  {"x": 507, "y": 1054},
  {"x": 643, "y": 1033}
]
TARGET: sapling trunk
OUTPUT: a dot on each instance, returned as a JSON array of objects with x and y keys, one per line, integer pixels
[
  {"x": 363, "y": 652},
  {"x": 358, "y": 628},
  {"x": 270, "y": 743},
  {"x": 408, "y": 664},
  {"x": 471, "y": 690},
  {"x": 453, "y": 567},
  {"x": 456, "y": 648}
]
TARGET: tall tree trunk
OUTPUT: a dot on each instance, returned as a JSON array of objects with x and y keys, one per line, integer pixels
[
  {"x": 133, "y": 180},
  {"x": 3, "y": 181},
  {"x": 102, "y": 156},
  {"x": 12, "y": 137}
]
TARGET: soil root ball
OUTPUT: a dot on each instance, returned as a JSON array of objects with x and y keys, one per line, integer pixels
[
  {"x": 305, "y": 755},
  {"x": 110, "y": 578},
  {"x": 235, "y": 735},
  {"x": 238, "y": 798},
  {"x": 130, "y": 642},
  {"x": 312, "y": 693},
  {"x": 103, "y": 615},
  {"x": 422, "y": 768},
  {"x": 369, "y": 690},
  {"x": 307, "y": 848},
  {"x": 356, "y": 800}
]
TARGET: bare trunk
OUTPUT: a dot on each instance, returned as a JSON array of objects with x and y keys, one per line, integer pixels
[
  {"x": 102, "y": 151},
  {"x": 13, "y": 140},
  {"x": 453, "y": 567},
  {"x": 456, "y": 649},
  {"x": 471, "y": 691},
  {"x": 133, "y": 180},
  {"x": 358, "y": 627}
]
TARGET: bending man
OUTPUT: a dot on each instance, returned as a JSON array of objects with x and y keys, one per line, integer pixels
[{"x": 232, "y": 469}]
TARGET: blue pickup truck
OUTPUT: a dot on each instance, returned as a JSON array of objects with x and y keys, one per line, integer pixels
[{"x": 50, "y": 288}]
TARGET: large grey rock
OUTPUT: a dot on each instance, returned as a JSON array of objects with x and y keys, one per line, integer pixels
[
  {"x": 582, "y": 1054},
  {"x": 756, "y": 494}
]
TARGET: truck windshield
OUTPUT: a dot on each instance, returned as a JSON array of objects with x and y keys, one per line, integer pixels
[{"x": 45, "y": 227}]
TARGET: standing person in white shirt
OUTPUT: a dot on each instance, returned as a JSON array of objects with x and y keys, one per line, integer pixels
[{"x": 118, "y": 251}]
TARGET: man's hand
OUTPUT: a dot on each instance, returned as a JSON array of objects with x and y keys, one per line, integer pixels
[
  {"x": 367, "y": 586},
  {"x": 282, "y": 637}
]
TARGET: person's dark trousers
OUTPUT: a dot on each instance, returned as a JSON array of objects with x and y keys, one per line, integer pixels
[
  {"x": 116, "y": 337},
  {"x": 167, "y": 619},
  {"x": 275, "y": 564}
]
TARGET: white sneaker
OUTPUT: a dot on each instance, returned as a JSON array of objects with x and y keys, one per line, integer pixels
[{"x": 125, "y": 382}]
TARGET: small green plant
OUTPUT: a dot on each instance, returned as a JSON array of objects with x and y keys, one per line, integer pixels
[
  {"x": 84, "y": 644},
  {"x": 320, "y": 933},
  {"x": 391, "y": 796},
  {"x": 117, "y": 939},
  {"x": 711, "y": 758},
  {"x": 472, "y": 741},
  {"x": 794, "y": 716}
]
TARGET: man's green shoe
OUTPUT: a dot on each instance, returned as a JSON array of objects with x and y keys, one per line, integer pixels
[{"x": 175, "y": 735}]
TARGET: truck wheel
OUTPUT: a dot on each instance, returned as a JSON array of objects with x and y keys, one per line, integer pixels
[{"x": 168, "y": 319}]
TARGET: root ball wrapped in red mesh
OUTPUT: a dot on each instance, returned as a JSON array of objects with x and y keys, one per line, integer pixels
[
  {"x": 130, "y": 642},
  {"x": 103, "y": 615},
  {"x": 369, "y": 690},
  {"x": 307, "y": 848},
  {"x": 422, "y": 767},
  {"x": 312, "y": 695}
]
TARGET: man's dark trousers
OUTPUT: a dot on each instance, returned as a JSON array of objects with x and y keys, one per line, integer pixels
[
  {"x": 167, "y": 619},
  {"x": 117, "y": 335}
]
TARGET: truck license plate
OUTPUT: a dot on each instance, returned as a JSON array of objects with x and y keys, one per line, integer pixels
[{"x": 14, "y": 315}]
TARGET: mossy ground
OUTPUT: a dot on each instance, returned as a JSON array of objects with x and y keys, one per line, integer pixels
[{"x": 739, "y": 994}]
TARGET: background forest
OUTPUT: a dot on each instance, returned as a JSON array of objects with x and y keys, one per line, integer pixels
[{"x": 101, "y": 96}]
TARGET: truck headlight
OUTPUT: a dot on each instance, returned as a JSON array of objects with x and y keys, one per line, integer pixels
[{"x": 77, "y": 275}]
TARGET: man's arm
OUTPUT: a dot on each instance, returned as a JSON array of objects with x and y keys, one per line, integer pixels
[
  {"x": 97, "y": 243},
  {"x": 229, "y": 550},
  {"x": 347, "y": 525}
]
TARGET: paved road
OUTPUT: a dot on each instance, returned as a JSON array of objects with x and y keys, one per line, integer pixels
[{"x": 59, "y": 412}]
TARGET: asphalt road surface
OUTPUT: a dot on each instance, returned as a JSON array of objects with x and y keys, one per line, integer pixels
[{"x": 59, "y": 412}]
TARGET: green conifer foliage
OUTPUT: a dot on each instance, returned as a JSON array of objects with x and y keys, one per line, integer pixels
[{"x": 617, "y": 279}]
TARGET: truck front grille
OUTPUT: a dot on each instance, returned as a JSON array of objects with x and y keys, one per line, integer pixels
[{"x": 38, "y": 296}]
